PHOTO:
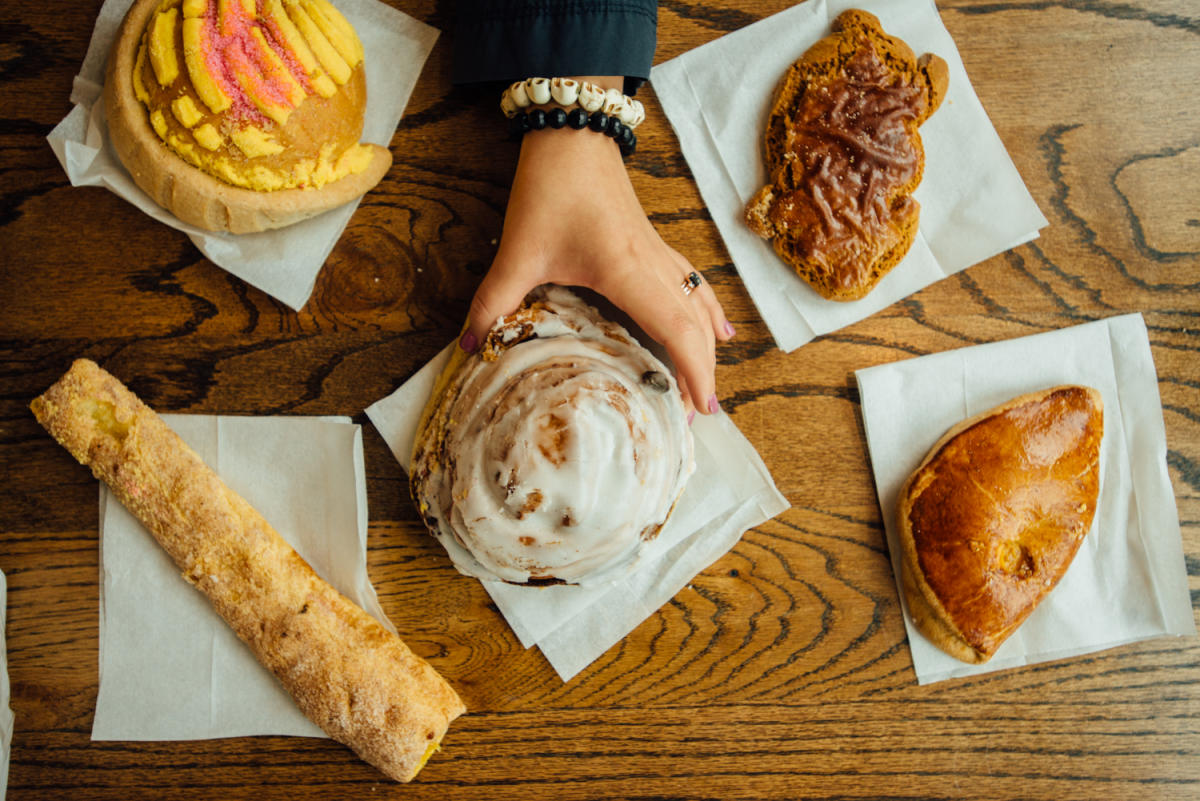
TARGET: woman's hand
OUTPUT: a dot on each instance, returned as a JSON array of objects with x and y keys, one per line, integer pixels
[{"x": 574, "y": 219}]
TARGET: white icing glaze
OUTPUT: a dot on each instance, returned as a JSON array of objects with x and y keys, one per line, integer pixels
[{"x": 559, "y": 461}]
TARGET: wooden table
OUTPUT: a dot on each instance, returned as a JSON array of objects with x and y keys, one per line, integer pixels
[{"x": 783, "y": 670}]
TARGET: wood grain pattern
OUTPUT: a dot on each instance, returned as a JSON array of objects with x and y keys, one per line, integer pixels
[{"x": 780, "y": 672}]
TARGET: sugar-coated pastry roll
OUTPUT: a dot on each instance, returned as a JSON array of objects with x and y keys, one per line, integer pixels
[
  {"x": 346, "y": 672},
  {"x": 553, "y": 453}
]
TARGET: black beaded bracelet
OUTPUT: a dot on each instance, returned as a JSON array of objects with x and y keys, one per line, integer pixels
[{"x": 576, "y": 119}]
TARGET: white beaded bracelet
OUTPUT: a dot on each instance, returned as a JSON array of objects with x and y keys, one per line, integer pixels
[{"x": 568, "y": 92}]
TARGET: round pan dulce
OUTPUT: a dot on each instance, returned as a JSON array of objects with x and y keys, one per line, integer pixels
[
  {"x": 553, "y": 453},
  {"x": 241, "y": 115}
]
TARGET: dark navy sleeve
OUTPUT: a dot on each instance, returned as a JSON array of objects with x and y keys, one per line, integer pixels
[{"x": 508, "y": 40}]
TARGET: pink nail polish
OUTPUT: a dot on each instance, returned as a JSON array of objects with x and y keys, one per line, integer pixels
[
  {"x": 468, "y": 342},
  {"x": 691, "y": 416},
  {"x": 714, "y": 405},
  {"x": 730, "y": 331}
]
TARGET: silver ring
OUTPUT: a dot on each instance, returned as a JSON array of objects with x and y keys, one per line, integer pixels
[{"x": 691, "y": 282}]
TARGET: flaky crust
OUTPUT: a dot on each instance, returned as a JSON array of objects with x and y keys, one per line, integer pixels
[
  {"x": 191, "y": 194},
  {"x": 990, "y": 521},
  {"x": 352, "y": 677},
  {"x": 825, "y": 61}
]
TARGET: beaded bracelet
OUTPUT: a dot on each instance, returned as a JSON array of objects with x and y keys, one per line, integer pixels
[
  {"x": 522, "y": 123},
  {"x": 567, "y": 93},
  {"x": 580, "y": 104}
]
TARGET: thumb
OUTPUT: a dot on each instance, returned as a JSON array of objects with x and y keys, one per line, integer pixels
[{"x": 500, "y": 293}]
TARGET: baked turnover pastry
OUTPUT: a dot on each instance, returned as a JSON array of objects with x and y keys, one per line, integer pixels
[
  {"x": 553, "y": 453},
  {"x": 241, "y": 115},
  {"x": 843, "y": 156},
  {"x": 992, "y": 518},
  {"x": 352, "y": 677}
]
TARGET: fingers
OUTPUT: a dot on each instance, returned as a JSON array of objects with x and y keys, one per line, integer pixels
[
  {"x": 500, "y": 293},
  {"x": 691, "y": 349},
  {"x": 657, "y": 304},
  {"x": 689, "y": 407},
  {"x": 722, "y": 328}
]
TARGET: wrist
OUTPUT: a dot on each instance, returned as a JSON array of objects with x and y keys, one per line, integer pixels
[
  {"x": 569, "y": 148},
  {"x": 605, "y": 81}
]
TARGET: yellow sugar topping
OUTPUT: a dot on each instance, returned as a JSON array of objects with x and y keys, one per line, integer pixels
[
  {"x": 298, "y": 46},
  {"x": 207, "y": 137},
  {"x": 163, "y": 57},
  {"x": 193, "y": 53},
  {"x": 254, "y": 142},
  {"x": 185, "y": 111},
  {"x": 336, "y": 29},
  {"x": 326, "y": 53},
  {"x": 247, "y": 66},
  {"x": 159, "y": 123},
  {"x": 139, "y": 64},
  {"x": 353, "y": 161}
]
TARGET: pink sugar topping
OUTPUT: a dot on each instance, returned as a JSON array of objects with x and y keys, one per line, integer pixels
[{"x": 235, "y": 59}]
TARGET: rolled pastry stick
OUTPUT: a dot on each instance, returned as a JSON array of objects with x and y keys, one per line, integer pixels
[{"x": 352, "y": 677}]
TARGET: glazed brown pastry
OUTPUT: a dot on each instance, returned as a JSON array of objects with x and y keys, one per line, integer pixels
[
  {"x": 992, "y": 518},
  {"x": 352, "y": 677},
  {"x": 241, "y": 115},
  {"x": 843, "y": 157}
]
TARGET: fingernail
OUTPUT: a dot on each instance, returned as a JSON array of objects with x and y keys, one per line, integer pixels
[
  {"x": 714, "y": 405},
  {"x": 468, "y": 342},
  {"x": 691, "y": 416},
  {"x": 729, "y": 329}
]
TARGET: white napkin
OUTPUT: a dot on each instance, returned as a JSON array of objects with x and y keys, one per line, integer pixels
[
  {"x": 283, "y": 263},
  {"x": 6, "y": 714},
  {"x": 718, "y": 96},
  {"x": 170, "y": 669},
  {"x": 730, "y": 492},
  {"x": 1128, "y": 581}
]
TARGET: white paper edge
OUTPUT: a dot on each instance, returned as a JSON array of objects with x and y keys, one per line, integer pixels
[
  {"x": 6, "y": 714},
  {"x": 786, "y": 322},
  {"x": 568, "y": 661},
  {"x": 1168, "y": 545},
  {"x": 766, "y": 500},
  {"x": 229, "y": 251},
  {"x": 1153, "y": 489},
  {"x": 113, "y": 732}
]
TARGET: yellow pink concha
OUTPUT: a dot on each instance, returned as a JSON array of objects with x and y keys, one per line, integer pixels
[
  {"x": 252, "y": 91},
  {"x": 241, "y": 115}
]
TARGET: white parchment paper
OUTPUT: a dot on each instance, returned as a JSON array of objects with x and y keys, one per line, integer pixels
[
  {"x": 718, "y": 96},
  {"x": 1128, "y": 582},
  {"x": 170, "y": 669},
  {"x": 6, "y": 713},
  {"x": 283, "y": 263},
  {"x": 730, "y": 492}
]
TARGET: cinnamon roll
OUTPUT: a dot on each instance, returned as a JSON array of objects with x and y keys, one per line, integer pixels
[{"x": 553, "y": 453}]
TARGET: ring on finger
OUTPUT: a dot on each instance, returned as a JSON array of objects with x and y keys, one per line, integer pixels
[{"x": 692, "y": 281}]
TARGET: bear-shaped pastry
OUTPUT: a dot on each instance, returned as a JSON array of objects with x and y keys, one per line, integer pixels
[{"x": 843, "y": 156}]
